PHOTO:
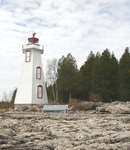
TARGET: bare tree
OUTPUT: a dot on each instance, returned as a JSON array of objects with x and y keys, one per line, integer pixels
[
  {"x": 6, "y": 96},
  {"x": 51, "y": 76}
]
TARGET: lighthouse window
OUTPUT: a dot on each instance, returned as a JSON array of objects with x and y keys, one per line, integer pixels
[
  {"x": 28, "y": 56},
  {"x": 38, "y": 72},
  {"x": 39, "y": 91}
]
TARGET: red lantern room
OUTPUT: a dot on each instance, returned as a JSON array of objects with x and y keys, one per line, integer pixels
[{"x": 33, "y": 39}]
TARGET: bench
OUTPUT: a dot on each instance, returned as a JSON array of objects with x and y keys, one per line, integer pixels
[{"x": 55, "y": 108}]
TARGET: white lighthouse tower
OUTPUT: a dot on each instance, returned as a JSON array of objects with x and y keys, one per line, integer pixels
[{"x": 32, "y": 88}]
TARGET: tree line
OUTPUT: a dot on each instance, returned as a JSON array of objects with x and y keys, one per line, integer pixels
[{"x": 101, "y": 78}]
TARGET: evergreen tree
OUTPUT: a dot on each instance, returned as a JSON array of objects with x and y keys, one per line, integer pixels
[
  {"x": 108, "y": 89},
  {"x": 100, "y": 76},
  {"x": 86, "y": 72},
  {"x": 96, "y": 81},
  {"x": 67, "y": 74},
  {"x": 12, "y": 101},
  {"x": 124, "y": 75}
]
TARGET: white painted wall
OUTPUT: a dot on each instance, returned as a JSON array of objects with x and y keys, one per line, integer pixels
[
  {"x": 37, "y": 62},
  {"x": 27, "y": 89}
]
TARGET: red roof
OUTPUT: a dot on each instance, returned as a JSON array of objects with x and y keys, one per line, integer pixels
[{"x": 33, "y": 40}]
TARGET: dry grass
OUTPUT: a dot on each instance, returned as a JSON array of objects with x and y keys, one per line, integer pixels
[
  {"x": 77, "y": 104},
  {"x": 6, "y": 105},
  {"x": 83, "y": 105},
  {"x": 52, "y": 102}
]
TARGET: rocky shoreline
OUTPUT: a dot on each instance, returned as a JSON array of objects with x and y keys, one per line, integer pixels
[{"x": 105, "y": 127}]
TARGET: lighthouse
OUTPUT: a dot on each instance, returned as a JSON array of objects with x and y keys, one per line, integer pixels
[{"x": 31, "y": 89}]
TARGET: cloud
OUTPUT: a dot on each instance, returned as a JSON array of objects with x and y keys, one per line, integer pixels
[{"x": 69, "y": 26}]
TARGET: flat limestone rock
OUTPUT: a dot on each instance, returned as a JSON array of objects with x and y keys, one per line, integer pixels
[{"x": 79, "y": 130}]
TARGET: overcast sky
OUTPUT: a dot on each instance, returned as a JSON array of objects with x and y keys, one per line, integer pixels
[{"x": 63, "y": 26}]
